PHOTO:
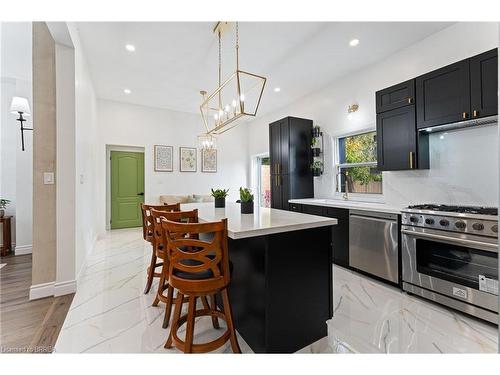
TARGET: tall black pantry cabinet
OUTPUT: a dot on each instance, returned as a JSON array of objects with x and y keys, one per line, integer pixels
[{"x": 291, "y": 157}]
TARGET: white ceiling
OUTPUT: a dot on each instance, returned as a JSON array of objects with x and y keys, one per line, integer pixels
[{"x": 174, "y": 61}]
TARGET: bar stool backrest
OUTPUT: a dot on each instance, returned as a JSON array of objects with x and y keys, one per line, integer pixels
[
  {"x": 147, "y": 220},
  {"x": 180, "y": 216},
  {"x": 190, "y": 257}
]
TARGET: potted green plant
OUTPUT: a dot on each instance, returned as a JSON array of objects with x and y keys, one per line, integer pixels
[
  {"x": 246, "y": 201},
  {"x": 220, "y": 197},
  {"x": 3, "y": 203},
  {"x": 317, "y": 168}
]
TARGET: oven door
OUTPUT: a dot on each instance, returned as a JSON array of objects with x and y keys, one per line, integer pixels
[{"x": 457, "y": 265}]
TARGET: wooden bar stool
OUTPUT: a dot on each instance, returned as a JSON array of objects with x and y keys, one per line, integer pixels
[
  {"x": 160, "y": 241},
  {"x": 147, "y": 233},
  {"x": 198, "y": 269}
]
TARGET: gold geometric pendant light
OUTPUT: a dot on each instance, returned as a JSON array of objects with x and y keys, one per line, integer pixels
[{"x": 236, "y": 98}]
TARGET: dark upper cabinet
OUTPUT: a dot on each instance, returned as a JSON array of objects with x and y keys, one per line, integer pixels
[
  {"x": 443, "y": 96},
  {"x": 484, "y": 84},
  {"x": 397, "y": 96},
  {"x": 290, "y": 154},
  {"x": 398, "y": 143}
]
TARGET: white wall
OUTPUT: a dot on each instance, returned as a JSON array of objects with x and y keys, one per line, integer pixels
[
  {"x": 86, "y": 147},
  {"x": 134, "y": 125},
  {"x": 16, "y": 176},
  {"x": 456, "y": 175}
]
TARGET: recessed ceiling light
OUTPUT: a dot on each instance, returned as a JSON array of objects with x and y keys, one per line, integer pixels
[
  {"x": 277, "y": 89},
  {"x": 130, "y": 47},
  {"x": 127, "y": 91},
  {"x": 354, "y": 42}
]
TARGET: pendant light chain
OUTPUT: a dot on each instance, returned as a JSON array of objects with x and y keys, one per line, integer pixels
[
  {"x": 237, "y": 48},
  {"x": 220, "y": 67}
]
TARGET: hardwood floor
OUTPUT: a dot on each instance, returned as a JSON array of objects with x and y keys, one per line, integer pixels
[{"x": 27, "y": 326}]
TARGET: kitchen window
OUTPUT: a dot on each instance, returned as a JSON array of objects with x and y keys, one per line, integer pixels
[{"x": 356, "y": 168}]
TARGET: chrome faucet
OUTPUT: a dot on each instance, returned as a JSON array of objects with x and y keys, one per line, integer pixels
[{"x": 345, "y": 196}]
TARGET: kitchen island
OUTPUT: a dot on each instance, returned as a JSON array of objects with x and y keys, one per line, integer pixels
[{"x": 281, "y": 285}]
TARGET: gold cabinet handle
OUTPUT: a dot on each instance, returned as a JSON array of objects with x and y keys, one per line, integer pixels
[
  {"x": 410, "y": 157},
  {"x": 410, "y": 100},
  {"x": 475, "y": 113},
  {"x": 278, "y": 165},
  {"x": 465, "y": 115}
]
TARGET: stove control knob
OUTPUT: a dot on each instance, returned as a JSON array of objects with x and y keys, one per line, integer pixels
[
  {"x": 494, "y": 228},
  {"x": 414, "y": 219},
  {"x": 429, "y": 221},
  {"x": 444, "y": 222},
  {"x": 460, "y": 225},
  {"x": 478, "y": 226}
]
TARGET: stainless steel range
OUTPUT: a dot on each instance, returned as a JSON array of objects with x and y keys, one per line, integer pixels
[{"x": 450, "y": 256}]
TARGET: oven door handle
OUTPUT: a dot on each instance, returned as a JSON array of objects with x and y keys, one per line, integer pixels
[{"x": 460, "y": 241}]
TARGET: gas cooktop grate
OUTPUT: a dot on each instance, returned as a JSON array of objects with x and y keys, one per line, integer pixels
[{"x": 458, "y": 209}]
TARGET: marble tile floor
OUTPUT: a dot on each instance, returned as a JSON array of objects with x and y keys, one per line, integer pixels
[{"x": 110, "y": 313}]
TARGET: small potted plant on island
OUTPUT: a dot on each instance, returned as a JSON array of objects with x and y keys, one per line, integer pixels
[
  {"x": 220, "y": 197},
  {"x": 317, "y": 168},
  {"x": 246, "y": 200},
  {"x": 3, "y": 203}
]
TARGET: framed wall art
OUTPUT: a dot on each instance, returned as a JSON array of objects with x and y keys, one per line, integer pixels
[
  {"x": 209, "y": 160},
  {"x": 187, "y": 159},
  {"x": 164, "y": 158}
]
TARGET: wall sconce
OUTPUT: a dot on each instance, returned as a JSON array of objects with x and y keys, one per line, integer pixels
[
  {"x": 21, "y": 106},
  {"x": 352, "y": 108}
]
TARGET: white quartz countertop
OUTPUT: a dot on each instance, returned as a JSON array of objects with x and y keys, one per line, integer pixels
[
  {"x": 262, "y": 222},
  {"x": 351, "y": 205}
]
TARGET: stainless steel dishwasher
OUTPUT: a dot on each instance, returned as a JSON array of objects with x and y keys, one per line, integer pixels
[{"x": 373, "y": 243}]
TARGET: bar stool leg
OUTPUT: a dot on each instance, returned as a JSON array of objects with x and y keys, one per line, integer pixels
[
  {"x": 168, "y": 307},
  {"x": 229, "y": 320},
  {"x": 215, "y": 320},
  {"x": 175, "y": 319},
  {"x": 151, "y": 272},
  {"x": 188, "y": 343},
  {"x": 161, "y": 287}
]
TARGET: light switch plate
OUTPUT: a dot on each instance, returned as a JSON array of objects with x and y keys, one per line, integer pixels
[{"x": 48, "y": 178}]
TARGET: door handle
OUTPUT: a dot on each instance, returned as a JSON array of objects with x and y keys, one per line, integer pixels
[
  {"x": 475, "y": 113},
  {"x": 410, "y": 157},
  {"x": 140, "y": 193},
  {"x": 465, "y": 115}
]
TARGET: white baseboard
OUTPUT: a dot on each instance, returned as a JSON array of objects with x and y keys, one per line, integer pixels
[
  {"x": 23, "y": 250},
  {"x": 52, "y": 289},
  {"x": 38, "y": 291},
  {"x": 64, "y": 287}
]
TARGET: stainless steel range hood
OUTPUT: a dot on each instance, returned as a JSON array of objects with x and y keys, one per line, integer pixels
[{"x": 473, "y": 123}]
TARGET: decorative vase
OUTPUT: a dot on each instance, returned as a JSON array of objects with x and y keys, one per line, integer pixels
[
  {"x": 247, "y": 207},
  {"x": 220, "y": 202},
  {"x": 2, "y": 212},
  {"x": 316, "y": 132},
  {"x": 316, "y": 172},
  {"x": 316, "y": 151}
]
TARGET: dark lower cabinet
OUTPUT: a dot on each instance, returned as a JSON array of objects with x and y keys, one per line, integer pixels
[
  {"x": 340, "y": 232},
  {"x": 484, "y": 84},
  {"x": 443, "y": 96},
  {"x": 340, "y": 235}
]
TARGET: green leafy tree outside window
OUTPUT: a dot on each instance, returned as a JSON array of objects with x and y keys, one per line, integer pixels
[{"x": 361, "y": 149}]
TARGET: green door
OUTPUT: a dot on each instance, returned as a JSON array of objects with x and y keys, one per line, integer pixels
[{"x": 127, "y": 189}]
